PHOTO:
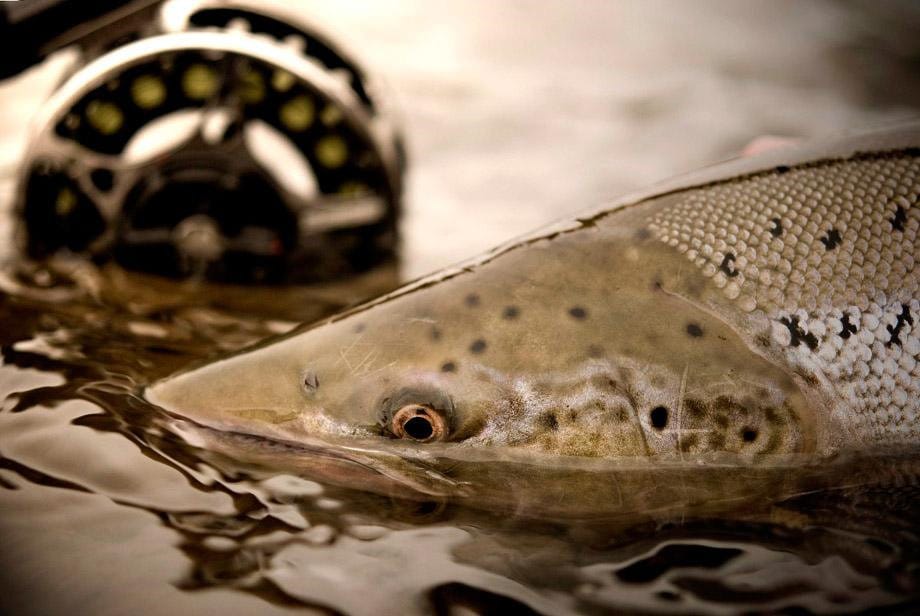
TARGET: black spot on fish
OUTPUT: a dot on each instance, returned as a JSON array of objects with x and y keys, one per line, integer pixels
[
  {"x": 511, "y": 313},
  {"x": 900, "y": 217},
  {"x": 595, "y": 351},
  {"x": 728, "y": 265},
  {"x": 688, "y": 442},
  {"x": 847, "y": 329},
  {"x": 831, "y": 240},
  {"x": 471, "y": 300},
  {"x": 435, "y": 333},
  {"x": 448, "y": 366},
  {"x": 551, "y": 421},
  {"x": 659, "y": 417},
  {"x": 749, "y": 435},
  {"x": 773, "y": 418},
  {"x": 895, "y": 330},
  {"x": 777, "y": 229},
  {"x": 643, "y": 234},
  {"x": 694, "y": 330},
  {"x": 577, "y": 312},
  {"x": 478, "y": 346},
  {"x": 781, "y": 169},
  {"x": 360, "y": 327},
  {"x": 798, "y": 334}
]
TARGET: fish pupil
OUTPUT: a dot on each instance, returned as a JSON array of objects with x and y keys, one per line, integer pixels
[
  {"x": 659, "y": 417},
  {"x": 419, "y": 428}
]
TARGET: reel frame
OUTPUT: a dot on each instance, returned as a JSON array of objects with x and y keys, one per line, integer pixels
[{"x": 341, "y": 229}]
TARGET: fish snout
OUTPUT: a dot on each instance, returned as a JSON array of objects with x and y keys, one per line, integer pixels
[{"x": 231, "y": 393}]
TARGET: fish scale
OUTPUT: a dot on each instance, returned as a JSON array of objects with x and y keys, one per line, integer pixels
[{"x": 824, "y": 254}]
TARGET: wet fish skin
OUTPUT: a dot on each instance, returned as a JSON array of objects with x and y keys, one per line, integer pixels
[{"x": 768, "y": 306}]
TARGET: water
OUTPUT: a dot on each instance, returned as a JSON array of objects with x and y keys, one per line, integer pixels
[
  {"x": 106, "y": 510},
  {"x": 516, "y": 115}
]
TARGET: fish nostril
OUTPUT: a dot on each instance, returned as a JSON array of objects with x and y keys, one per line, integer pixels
[{"x": 310, "y": 381}]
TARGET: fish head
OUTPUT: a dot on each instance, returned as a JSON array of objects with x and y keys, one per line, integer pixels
[
  {"x": 355, "y": 378},
  {"x": 551, "y": 360}
]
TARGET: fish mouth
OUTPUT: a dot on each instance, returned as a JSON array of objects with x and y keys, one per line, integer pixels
[
  {"x": 358, "y": 464},
  {"x": 273, "y": 438}
]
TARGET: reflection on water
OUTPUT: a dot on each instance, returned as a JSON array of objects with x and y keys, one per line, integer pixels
[
  {"x": 104, "y": 509},
  {"x": 107, "y": 510}
]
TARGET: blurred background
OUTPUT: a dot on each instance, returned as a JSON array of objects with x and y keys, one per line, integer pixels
[{"x": 519, "y": 113}]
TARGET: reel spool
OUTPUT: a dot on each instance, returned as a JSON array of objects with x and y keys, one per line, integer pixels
[{"x": 225, "y": 142}]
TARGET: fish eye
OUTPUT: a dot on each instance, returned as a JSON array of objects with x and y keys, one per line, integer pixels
[{"x": 418, "y": 422}]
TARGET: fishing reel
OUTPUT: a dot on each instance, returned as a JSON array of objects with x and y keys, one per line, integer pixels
[{"x": 219, "y": 139}]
